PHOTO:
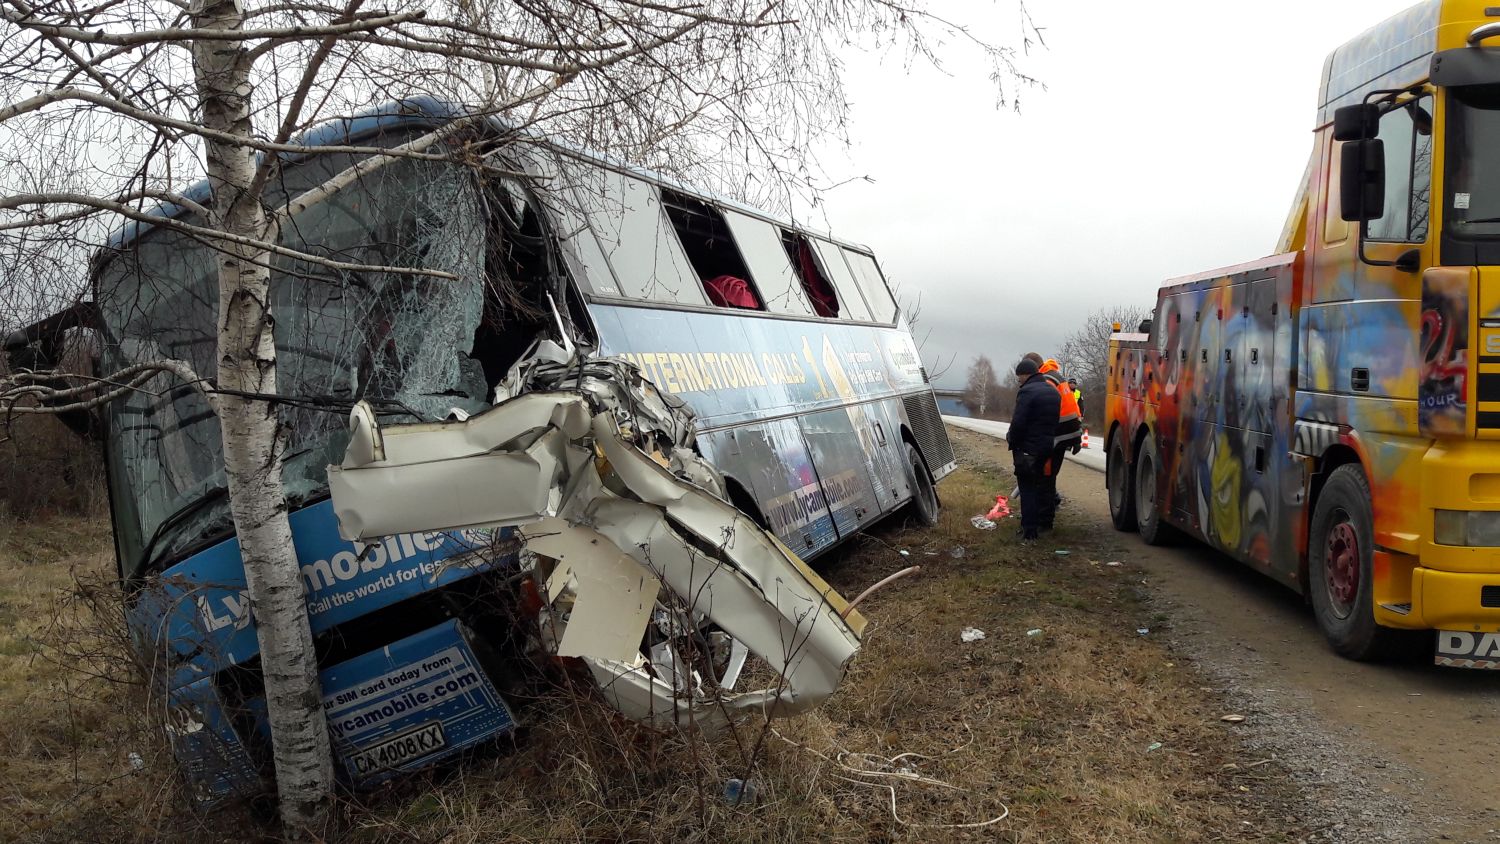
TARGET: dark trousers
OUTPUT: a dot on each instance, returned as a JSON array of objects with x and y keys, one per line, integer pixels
[
  {"x": 1033, "y": 492},
  {"x": 1049, "y": 485}
]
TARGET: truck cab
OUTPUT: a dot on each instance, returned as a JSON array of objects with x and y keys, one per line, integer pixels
[{"x": 1319, "y": 414}]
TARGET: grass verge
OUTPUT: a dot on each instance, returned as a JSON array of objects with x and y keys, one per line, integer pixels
[{"x": 1085, "y": 731}]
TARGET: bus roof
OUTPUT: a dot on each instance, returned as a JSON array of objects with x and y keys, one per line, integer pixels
[{"x": 429, "y": 112}]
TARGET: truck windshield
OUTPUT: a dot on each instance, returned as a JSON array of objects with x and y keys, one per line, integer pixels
[
  {"x": 1473, "y": 177},
  {"x": 340, "y": 336}
]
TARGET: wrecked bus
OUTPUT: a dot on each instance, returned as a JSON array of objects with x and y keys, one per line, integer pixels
[
  {"x": 1328, "y": 415},
  {"x": 704, "y": 347}
]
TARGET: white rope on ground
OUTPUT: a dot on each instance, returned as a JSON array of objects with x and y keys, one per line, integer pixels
[
  {"x": 1004, "y": 810},
  {"x": 904, "y": 775}
]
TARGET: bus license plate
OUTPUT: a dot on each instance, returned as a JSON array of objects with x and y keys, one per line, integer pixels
[
  {"x": 398, "y": 750},
  {"x": 1468, "y": 650}
]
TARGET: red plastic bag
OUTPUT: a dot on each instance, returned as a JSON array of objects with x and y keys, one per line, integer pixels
[{"x": 1000, "y": 510}]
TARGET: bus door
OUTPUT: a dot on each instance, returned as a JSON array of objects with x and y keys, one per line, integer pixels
[
  {"x": 854, "y": 447},
  {"x": 771, "y": 460},
  {"x": 840, "y": 453},
  {"x": 887, "y": 460}
]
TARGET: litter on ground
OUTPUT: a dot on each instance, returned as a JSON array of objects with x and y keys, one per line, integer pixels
[{"x": 1000, "y": 510}]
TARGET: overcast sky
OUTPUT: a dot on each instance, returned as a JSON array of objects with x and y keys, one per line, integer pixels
[{"x": 1169, "y": 139}]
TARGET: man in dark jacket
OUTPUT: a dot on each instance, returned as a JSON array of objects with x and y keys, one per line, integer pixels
[{"x": 1032, "y": 429}]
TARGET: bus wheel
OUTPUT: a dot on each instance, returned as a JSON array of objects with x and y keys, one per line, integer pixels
[
  {"x": 1147, "y": 514},
  {"x": 1121, "y": 486},
  {"x": 1339, "y": 566},
  {"x": 924, "y": 500}
]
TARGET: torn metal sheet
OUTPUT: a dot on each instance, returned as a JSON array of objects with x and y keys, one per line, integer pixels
[
  {"x": 596, "y": 468},
  {"x": 611, "y": 602}
]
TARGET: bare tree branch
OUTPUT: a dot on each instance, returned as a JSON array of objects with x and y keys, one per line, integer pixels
[
  {"x": 210, "y": 235},
  {"x": 96, "y": 393},
  {"x": 173, "y": 36}
]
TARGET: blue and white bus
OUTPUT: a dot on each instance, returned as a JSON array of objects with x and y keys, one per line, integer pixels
[{"x": 809, "y": 395}]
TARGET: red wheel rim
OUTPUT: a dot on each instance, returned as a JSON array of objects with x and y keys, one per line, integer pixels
[{"x": 1341, "y": 566}]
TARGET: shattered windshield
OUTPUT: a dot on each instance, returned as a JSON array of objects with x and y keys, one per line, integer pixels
[{"x": 340, "y": 336}]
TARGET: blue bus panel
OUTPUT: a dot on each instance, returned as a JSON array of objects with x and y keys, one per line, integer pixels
[
  {"x": 410, "y": 704},
  {"x": 804, "y": 414},
  {"x": 200, "y": 611}
]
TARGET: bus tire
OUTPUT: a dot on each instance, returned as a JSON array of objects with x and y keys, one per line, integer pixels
[
  {"x": 1121, "y": 486},
  {"x": 1147, "y": 515},
  {"x": 924, "y": 501},
  {"x": 1339, "y": 566}
]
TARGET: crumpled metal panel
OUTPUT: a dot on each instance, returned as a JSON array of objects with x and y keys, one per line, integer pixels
[{"x": 595, "y": 468}]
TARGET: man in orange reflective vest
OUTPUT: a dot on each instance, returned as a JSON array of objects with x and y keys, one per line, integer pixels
[{"x": 1067, "y": 437}]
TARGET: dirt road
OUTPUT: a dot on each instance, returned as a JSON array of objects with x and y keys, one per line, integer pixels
[{"x": 1397, "y": 752}]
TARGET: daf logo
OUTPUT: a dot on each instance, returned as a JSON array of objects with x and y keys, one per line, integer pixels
[
  {"x": 1473, "y": 645},
  {"x": 1492, "y": 343}
]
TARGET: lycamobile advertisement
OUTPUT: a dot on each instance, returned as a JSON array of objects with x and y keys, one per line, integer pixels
[
  {"x": 200, "y": 608},
  {"x": 410, "y": 703}
]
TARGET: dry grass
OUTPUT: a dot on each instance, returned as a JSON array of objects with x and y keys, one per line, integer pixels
[
  {"x": 1055, "y": 726},
  {"x": 70, "y": 713}
]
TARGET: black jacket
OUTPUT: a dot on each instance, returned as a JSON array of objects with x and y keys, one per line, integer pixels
[{"x": 1034, "y": 423}]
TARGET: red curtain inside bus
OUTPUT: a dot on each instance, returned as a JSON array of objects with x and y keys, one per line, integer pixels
[
  {"x": 824, "y": 301},
  {"x": 727, "y": 291}
]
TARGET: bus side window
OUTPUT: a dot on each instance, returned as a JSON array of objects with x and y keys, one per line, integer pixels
[
  {"x": 815, "y": 284},
  {"x": 838, "y": 272},
  {"x": 872, "y": 284},
  {"x": 770, "y": 265},
  {"x": 644, "y": 255},
  {"x": 712, "y": 251}
]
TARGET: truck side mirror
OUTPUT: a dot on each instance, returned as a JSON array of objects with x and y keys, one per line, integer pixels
[
  {"x": 1362, "y": 180},
  {"x": 1356, "y": 122}
]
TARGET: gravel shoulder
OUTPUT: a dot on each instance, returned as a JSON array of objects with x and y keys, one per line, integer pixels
[{"x": 1379, "y": 752}]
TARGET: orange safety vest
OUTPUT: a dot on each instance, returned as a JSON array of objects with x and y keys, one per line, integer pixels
[
  {"x": 1069, "y": 420},
  {"x": 1053, "y": 373}
]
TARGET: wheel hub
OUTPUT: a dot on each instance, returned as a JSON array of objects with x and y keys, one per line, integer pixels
[{"x": 1341, "y": 567}]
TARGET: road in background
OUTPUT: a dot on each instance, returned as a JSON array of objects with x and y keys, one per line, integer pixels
[{"x": 1092, "y": 457}]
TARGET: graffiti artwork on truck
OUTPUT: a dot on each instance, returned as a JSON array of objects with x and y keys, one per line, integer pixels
[{"x": 1359, "y": 466}]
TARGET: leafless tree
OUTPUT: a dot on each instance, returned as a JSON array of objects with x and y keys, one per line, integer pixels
[
  {"x": 912, "y": 306},
  {"x": 1085, "y": 354},
  {"x": 108, "y": 109},
  {"x": 988, "y": 394}
]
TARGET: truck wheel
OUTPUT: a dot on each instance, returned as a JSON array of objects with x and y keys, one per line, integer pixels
[
  {"x": 1121, "y": 486},
  {"x": 1147, "y": 515},
  {"x": 924, "y": 501},
  {"x": 1340, "y": 548}
]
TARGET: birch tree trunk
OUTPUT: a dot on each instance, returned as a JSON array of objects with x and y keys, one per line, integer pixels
[{"x": 254, "y": 443}]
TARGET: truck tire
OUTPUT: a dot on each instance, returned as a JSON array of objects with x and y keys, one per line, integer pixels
[
  {"x": 1121, "y": 485},
  {"x": 1340, "y": 550},
  {"x": 1148, "y": 519},
  {"x": 924, "y": 501}
]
